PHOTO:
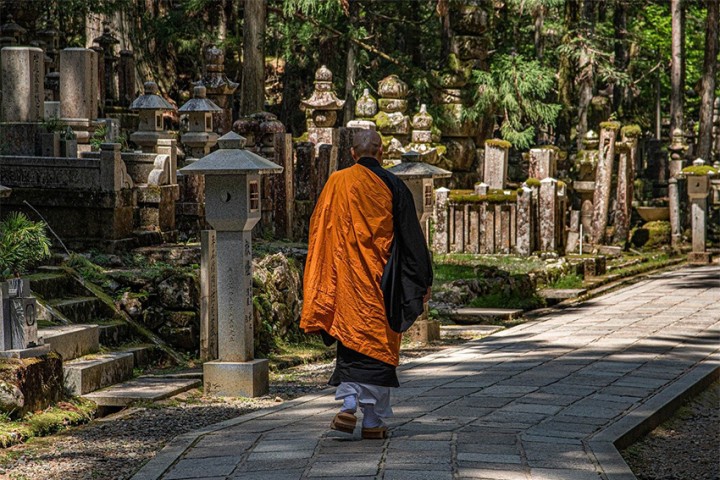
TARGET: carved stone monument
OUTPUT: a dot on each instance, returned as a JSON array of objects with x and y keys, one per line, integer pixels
[
  {"x": 79, "y": 86},
  {"x": 322, "y": 107}
]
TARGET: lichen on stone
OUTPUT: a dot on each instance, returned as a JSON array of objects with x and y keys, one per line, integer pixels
[
  {"x": 496, "y": 142},
  {"x": 632, "y": 131},
  {"x": 532, "y": 182},
  {"x": 610, "y": 125},
  {"x": 700, "y": 170}
]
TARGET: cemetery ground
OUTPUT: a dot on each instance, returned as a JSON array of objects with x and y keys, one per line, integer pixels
[{"x": 92, "y": 451}]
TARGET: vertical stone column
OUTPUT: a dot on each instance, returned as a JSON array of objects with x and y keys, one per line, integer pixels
[
  {"x": 573, "y": 237},
  {"x": 523, "y": 246},
  {"x": 111, "y": 167},
  {"x": 126, "y": 78},
  {"x": 79, "y": 86},
  {"x": 623, "y": 195},
  {"x": 303, "y": 200},
  {"x": 23, "y": 98},
  {"x": 284, "y": 153},
  {"x": 543, "y": 162},
  {"x": 698, "y": 190},
  {"x": 548, "y": 215},
  {"x": 603, "y": 181},
  {"x": 677, "y": 149},
  {"x": 208, "y": 296},
  {"x": 674, "y": 207},
  {"x": 496, "y": 163},
  {"x": 441, "y": 221}
]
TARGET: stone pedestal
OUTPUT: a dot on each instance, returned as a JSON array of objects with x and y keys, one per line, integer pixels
[
  {"x": 698, "y": 190},
  {"x": 236, "y": 379},
  {"x": 23, "y": 88},
  {"x": 674, "y": 207},
  {"x": 524, "y": 243},
  {"x": 424, "y": 331},
  {"x": 543, "y": 162}
]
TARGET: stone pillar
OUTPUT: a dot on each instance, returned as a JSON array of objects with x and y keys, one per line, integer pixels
[
  {"x": 23, "y": 84},
  {"x": 524, "y": 243},
  {"x": 548, "y": 215},
  {"x": 441, "y": 221},
  {"x": 126, "y": 78},
  {"x": 78, "y": 91},
  {"x": 573, "y": 237},
  {"x": 208, "y": 296},
  {"x": 322, "y": 107},
  {"x": 623, "y": 195},
  {"x": 543, "y": 162},
  {"x": 284, "y": 207},
  {"x": 392, "y": 120},
  {"x": 698, "y": 190},
  {"x": 496, "y": 163},
  {"x": 603, "y": 181},
  {"x": 677, "y": 149},
  {"x": 112, "y": 169}
]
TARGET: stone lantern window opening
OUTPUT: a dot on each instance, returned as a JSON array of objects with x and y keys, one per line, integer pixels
[
  {"x": 429, "y": 195},
  {"x": 208, "y": 122},
  {"x": 254, "y": 192}
]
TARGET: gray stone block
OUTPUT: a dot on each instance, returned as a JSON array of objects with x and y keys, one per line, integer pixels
[
  {"x": 86, "y": 374},
  {"x": 72, "y": 341}
]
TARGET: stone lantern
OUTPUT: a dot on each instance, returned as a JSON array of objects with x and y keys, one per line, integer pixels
[
  {"x": 10, "y": 32},
  {"x": 107, "y": 42},
  {"x": 232, "y": 208},
  {"x": 698, "y": 188},
  {"x": 201, "y": 136},
  {"x": 323, "y": 105},
  {"x": 151, "y": 129},
  {"x": 419, "y": 178},
  {"x": 220, "y": 88}
]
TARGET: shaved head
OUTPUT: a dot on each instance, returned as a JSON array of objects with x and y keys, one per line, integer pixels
[{"x": 366, "y": 143}]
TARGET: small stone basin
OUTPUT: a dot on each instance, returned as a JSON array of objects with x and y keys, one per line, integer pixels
[{"x": 652, "y": 214}]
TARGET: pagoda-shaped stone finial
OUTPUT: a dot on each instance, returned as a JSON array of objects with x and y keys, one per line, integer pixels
[
  {"x": 323, "y": 106},
  {"x": 392, "y": 120},
  {"x": 366, "y": 106}
]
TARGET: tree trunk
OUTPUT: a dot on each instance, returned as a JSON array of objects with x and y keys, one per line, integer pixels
[
  {"x": 709, "y": 79},
  {"x": 351, "y": 65},
  {"x": 539, "y": 20},
  {"x": 621, "y": 55},
  {"x": 566, "y": 75},
  {"x": 677, "y": 79},
  {"x": 446, "y": 38},
  {"x": 220, "y": 20},
  {"x": 586, "y": 71},
  {"x": 252, "y": 95}
]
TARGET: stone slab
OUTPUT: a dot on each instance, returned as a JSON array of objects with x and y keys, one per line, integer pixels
[
  {"x": 236, "y": 379},
  {"x": 470, "y": 315},
  {"x": 561, "y": 293},
  {"x": 143, "y": 389},
  {"x": 86, "y": 374},
  {"x": 72, "y": 341},
  {"x": 26, "y": 352}
]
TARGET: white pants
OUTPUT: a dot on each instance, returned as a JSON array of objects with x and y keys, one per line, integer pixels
[{"x": 367, "y": 395}]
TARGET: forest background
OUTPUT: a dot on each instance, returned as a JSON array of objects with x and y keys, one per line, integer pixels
[{"x": 548, "y": 70}]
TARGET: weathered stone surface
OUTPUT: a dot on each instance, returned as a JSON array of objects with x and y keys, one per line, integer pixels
[
  {"x": 543, "y": 162},
  {"x": 392, "y": 87},
  {"x": 23, "y": 98},
  {"x": 30, "y": 384},
  {"x": 470, "y": 47},
  {"x": 72, "y": 341},
  {"x": 366, "y": 106},
  {"x": 179, "y": 291},
  {"x": 623, "y": 196},
  {"x": 461, "y": 153},
  {"x": 496, "y": 165},
  {"x": 548, "y": 215},
  {"x": 603, "y": 181},
  {"x": 524, "y": 243},
  {"x": 86, "y": 374},
  {"x": 236, "y": 379},
  {"x": 440, "y": 240},
  {"x": 390, "y": 105},
  {"x": 79, "y": 84}
]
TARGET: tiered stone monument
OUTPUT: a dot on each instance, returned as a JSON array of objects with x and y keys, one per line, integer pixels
[
  {"x": 11, "y": 33},
  {"x": 79, "y": 86},
  {"x": 584, "y": 185},
  {"x": 391, "y": 121},
  {"x": 200, "y": 136},
  {"x": 151, "y": 107},
  {"x": 677, "y": 149},
  {"x": 421, "y": 136},
  {"x": 220, "y": 88},
  {"x": 232, "y": 186},
  {"x": 543, "y": 162},
  {"x": 107, "y": 42},
  {"x": 366, "y": 108},
  {"x": 322, "y": 108},
  {"x": 18, "y": 321}
]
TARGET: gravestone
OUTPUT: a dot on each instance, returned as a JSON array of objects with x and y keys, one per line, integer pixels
[
  {"x": 524, "y": 242},
  {"x": 496, "y": 163},
  {"x": 79, "y": 86},
  {"x": 603, "y": 181},
  {"x": 23, "y": 90},
  {"x": 548, "y": 215},
  {"x": 543, "y": 163}
]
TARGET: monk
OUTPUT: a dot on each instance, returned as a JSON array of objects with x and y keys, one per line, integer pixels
[{"x": 367, "y": 275}]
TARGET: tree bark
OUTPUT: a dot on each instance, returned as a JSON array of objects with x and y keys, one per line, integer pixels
[
  {"x": 677, "y": 79},
  {"x": 586, "y": 71},
  {"x": 566, "y": 75},
  {"x": 709, "y": 80},
  {"x": 539, "y": 20},
  {"x": 621, "y": 55},
  {"x": 252, "y": 96},
  {"x": 351, "y": 65}
]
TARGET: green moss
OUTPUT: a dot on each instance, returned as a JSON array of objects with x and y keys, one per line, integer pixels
[
  {"x": 532, "y": 182},
  {"x": 382, "y": 121},
  {"x": 561, "y": 184},
  {"x": 632, "y": 131},
  {"x": 652, "y": 235},
  {"x": 610, "y": 125},
  {"x": 493, "y": 196},
  {"x": 496, "y": 142},
  {"x": 301, "y": 138},
  {"x": 700, "y": 170}
]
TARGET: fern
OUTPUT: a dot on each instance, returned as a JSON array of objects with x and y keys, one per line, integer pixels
[{"x": 23, "y": 243}]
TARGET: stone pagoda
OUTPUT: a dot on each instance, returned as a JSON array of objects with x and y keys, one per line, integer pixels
[
  {"x": 322, "y": 106},
  {"x": 365, "y": 109},
  {"x": 200, "y": 137},
  {"x": 392, "y": 121},
  {"x": 220, "y": 88},
  {"x": 151, "y": 129}
]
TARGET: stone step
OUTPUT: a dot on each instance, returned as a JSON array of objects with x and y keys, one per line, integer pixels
[
  {"x": 82, "y": 309},
  {"x": 142, "y": 389},
  {"x": 92, "y": 372},
  {"x": 479, "y": 330},
  {"x": 72, "y": 341},
  {"x": 114, "y": 333},
  {"x": 55, "y": 285},
  {"x": 561, "y": 293},
  {"x": 471, "y": 315}
]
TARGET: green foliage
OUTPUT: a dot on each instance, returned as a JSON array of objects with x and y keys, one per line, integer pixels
[
  {"x": 98, "y": 137},
  {"x": 700, "y": 170},
  {"x": 516, "y": 90},
  {"x": 508, "y": 300},
  {"x": 23, "y": 244},
  {"x": 568, "y": 281}
]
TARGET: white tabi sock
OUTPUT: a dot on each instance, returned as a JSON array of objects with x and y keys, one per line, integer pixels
[{"x": 349, "y": 404}]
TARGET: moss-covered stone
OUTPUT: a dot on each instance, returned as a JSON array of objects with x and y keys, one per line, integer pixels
[
  {"x": 631, "y": 131},
  {"x": 493, "y": 196},
  {"x": 36, "y": 383},
  {"x": 611, "y": 125},
  {"x": 651, "y": 235},
  {"x": 496, "y": 142},
  {"x": 532, "y": 182},
  {"x": 700, "y": 170}
]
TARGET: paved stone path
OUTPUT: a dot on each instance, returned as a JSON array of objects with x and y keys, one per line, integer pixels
[{"x": 522, "y": 404}]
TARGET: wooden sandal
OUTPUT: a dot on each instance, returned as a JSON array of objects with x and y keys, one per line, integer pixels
[
  {"x": 375, "y": 433},
  {"x": 344, "y": 422}
]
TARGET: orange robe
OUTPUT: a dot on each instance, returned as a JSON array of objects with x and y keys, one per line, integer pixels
[{"x": 351, "y": 231}]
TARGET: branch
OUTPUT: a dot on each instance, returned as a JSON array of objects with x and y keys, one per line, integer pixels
[{"x": 360, "y": 43}]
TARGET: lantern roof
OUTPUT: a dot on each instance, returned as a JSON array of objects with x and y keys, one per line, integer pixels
[
  {"x": 151, "y": 99},
  {"x": 412, "y": 168},
  {"x": 231, "y": 158}
]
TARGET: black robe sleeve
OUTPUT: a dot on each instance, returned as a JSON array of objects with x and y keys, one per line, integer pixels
[{"x": 408, "y": 273}]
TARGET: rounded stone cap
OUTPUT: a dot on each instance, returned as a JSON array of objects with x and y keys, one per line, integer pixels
[
  {"x": 323, "y": 74},
  {"x": 199, "y": 91},
  {"x": 392, "y": 87},
  {"x": 150, "y": 88}
]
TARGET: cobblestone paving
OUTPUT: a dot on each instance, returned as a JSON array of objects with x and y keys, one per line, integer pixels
[{"x": 519, "y": 405}]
